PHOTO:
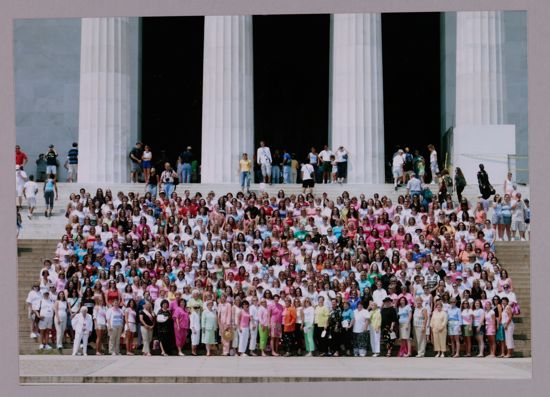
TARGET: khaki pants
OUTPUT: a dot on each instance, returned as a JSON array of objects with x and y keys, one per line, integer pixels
[
  {"x": 147, "y": 336},
  {"x": 420, "y": 339},
  {"x": 440, "y": 339},
  {"x": 114, "y": 340}
]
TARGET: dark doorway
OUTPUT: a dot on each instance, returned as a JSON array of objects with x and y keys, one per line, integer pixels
[
  {"x": 411, "y": 64},
  {"x": 171, "y": 84},
  {"x": 291, "y": 81}
]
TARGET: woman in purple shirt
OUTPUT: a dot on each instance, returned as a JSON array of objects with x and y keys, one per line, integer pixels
[{"x": 275, "y": 312}]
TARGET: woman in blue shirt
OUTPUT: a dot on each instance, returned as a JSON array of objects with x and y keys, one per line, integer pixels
[
  {"x": 404, "y": 312},
  {"x": 347, "y": 332},
  {"x": 453, "y": 323}
]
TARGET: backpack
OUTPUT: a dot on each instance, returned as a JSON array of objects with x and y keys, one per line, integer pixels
[{"x": 427, "y": 194}]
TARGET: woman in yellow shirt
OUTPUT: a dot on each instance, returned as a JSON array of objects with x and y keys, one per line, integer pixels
[
  {"x": 320, "y": 329},
  {"x": 438, "y": 324},
  {"x": 245, "y": 166}
]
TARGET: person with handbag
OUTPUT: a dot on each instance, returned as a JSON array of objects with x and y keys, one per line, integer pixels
[
  {"x": 225, "y": 323},
  {"x": 263, "y": 326},
  {"x": 320, "y": 326}
]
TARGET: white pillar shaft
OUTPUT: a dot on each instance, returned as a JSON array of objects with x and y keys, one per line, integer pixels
[
  {"x": 480, "y": 94},
  {"x": 104, "y": 120},
  {"x": 227, "y": 114},
  {"x": 356, "y": 114}
]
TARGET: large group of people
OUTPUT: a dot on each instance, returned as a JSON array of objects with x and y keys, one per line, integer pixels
[{"x": 253, "y": 274}]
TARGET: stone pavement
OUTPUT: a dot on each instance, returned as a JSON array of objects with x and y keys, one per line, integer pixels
[{"x": 123, "y": 369}]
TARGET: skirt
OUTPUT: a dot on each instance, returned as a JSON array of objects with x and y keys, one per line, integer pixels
[
  {"x": 481, "y": 331},
  {"x": 500, "y": 333},
  {"x": 453, "y": 328},
  {"x": 404, "y": 331},
  {"x": 276, "y": 330},
  {"x": 208, "y": 336}
]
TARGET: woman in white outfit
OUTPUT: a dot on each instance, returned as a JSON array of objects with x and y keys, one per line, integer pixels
[
  {"x": 195, "y": 325},
  {"x": 147, "y": 321},
  {"x": 508, "y": 325},
  {"x": 100, "y": 323},
  {"x": 243, "y": 325},
  {"x": 82, "y": 325},
  {"x": 253, "y": 326},
  {"x": 61, "y": 310}
]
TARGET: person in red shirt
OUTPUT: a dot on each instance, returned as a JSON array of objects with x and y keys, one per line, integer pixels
[{"x": 20, "y": 157}]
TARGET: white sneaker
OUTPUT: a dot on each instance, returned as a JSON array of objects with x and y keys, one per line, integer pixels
[
  {"x": 523, "y": 239},
  {"x": 85, "y": 354},
  {"x": 48, "y": 347},
  {"x": 41, "y": 347},
  {"x": 375, "y": 355},
  {"x": 33, "y": 335}
]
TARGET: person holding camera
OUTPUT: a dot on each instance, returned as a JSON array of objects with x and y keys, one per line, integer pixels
[{"x": 51, "y": 161}]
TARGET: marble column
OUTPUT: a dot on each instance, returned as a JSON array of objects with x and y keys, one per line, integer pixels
[
  {"x": 480, "y": 133},
  {"x": 480, "y": 92},
  {"x": 227, "y": 113},
  {"x": 356, "y": 94},
  {"x": 105, "y": 137}
]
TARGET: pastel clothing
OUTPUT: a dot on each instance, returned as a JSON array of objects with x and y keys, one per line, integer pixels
[
  {"x": 195, "y": 325},
  {"x": 209, "y": 326},
  {"x": 180, "y": 316},
  {"x": 454, "y": 321},
  {"x": 490, "y": 323},
  {"x": 438, "y": 324},
  {"x": 508, "y": 333}
]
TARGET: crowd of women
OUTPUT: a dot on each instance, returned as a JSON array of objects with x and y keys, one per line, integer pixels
[{"x": 259, "y": 275}]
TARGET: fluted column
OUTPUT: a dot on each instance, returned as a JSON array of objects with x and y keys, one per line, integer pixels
[
  {"x": 227, "y": 113},
  {"x": 356, "y": 94},
  {"x": 480, "y": 92},
  {"x": 104, "y": 120}
]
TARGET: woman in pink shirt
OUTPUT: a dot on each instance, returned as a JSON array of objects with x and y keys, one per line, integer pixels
[
  {"x": 181, "y": 325},
  {"x": 263, "y": 321},
  {"x": 225, "y": 322},
  {"x": 275, "y": 312},
  {"x": 243, "y": 324}
]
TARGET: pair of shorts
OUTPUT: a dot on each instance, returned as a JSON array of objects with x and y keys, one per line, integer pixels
[
  {"x": 135, "y": 167},
  {"x": 308, "y": 183},
  {"x": 130, "y": 327},
  {"x": 453, "y": 328},
  {"x": 146, "y": 164},
  {"x": 397, "y": 172},
  {"x": 506, "y": 219},
  {"x": 31, "y": 201},
  {"x": 46, "y": 323},
  {"x": 496, "y": 219},
  {"x": 467, "y": 330},
  {"x": 481, "y": 331},
  {"x": 51, "y": 169},
  {"x": 434, "y": 168},
  {"x": 518, "y": 226},
  {"x": 102, "y": 327},
  {"x": 266, "y": 169}
]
